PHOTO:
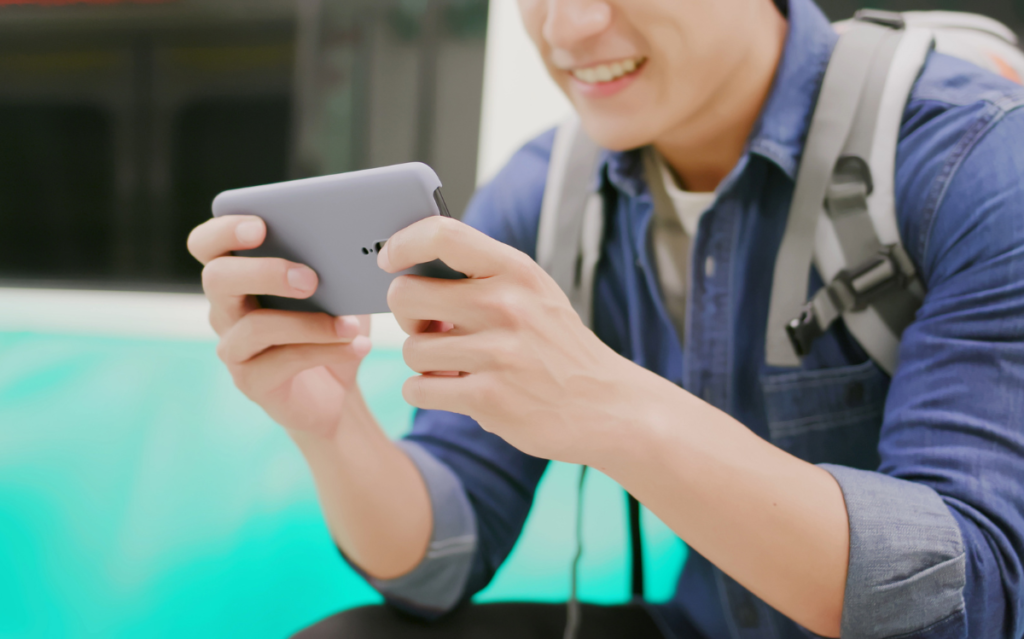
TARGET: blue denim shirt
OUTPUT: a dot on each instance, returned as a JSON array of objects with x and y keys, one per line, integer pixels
[{"x": 931, "y": 462}]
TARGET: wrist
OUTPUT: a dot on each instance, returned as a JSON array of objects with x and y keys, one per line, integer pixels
[
  {"x": 353, "y": 415},
  {"x": 643, "y": 408}
]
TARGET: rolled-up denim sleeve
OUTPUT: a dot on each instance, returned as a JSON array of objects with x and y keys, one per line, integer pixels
[
  {"x": 907, "y": 560},
  {"x": 937, "y": 532},
  {"x": 436, "y": 585},
  {"x": 481, "y": 490}
]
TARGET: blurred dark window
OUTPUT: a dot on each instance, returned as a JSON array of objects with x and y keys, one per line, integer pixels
[
  {"x": 56, "y": 190},
  {"x": 228, "y": 141},
  {"x": 120, "y": 122}
]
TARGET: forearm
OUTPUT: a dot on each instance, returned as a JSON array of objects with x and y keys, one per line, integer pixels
[
  {"x": 776, "y": 524},
  {"x": 372, "y": 495}
]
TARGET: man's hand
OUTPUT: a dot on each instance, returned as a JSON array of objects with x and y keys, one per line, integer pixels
[
  {"x": 504, "y": 346},
  {"x": 298, "y": 366}
]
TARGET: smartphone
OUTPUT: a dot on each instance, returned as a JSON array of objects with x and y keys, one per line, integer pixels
[{"x": 336, "y": 225}]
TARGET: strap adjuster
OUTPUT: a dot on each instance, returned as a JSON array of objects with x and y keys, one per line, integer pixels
[
  {"x": 849, "y": 188},
  {"x": 852, "y": 290},
  {"x": 855, "y": 289}
]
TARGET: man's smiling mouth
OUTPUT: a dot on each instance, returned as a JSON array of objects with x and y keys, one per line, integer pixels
[{"x": 609, "y": 71}]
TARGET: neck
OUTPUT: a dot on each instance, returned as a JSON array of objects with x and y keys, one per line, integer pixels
[{"x": 704, "y": 148}]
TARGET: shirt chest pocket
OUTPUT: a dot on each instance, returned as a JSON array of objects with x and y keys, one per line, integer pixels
[{"x": 831, "y": 415}]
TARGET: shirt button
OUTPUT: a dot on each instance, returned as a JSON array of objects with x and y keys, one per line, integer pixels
[{"x": 709, "y": 267}]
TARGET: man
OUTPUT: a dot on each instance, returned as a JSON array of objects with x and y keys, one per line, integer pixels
[{"x": 827, "y": 497}]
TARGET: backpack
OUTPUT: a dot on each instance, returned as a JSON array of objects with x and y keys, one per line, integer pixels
[{"x": 843, "y": 215}]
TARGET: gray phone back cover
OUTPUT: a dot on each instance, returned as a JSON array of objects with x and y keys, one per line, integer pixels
[{"x": 335, "y": 224}]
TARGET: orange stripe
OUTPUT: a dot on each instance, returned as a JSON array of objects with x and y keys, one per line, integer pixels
[{"x": 1005, "y": 69}]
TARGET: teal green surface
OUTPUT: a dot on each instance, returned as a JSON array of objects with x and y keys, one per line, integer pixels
[{"x": 142, "y": 495}]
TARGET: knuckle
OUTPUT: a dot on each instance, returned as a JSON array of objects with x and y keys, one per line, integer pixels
[
  {"x": 228, "y": 349},
  {"x": 213, "y": 274},
  {"x": 243, "y": 379},
  {"x": 416, "y": 353},
  {"x": 533, "y": 276},
  {"x": 440, "y": 233},
  {"x": 214, "y": 317},
  {"x": 257, "y": 322},
  {"x": 505, "y": 305},
  {"x": 445, "y": 228},
  {"x": 396, "y": 246},
  {"x": 244, "y": 331},
  {"x": 193, "y": 241},
  {"x": 245, "y": 335},
  {"x": 488, "y": 396},
  {"x": 394, "y": 297},
  {"x": 521, "y": 262},
  {"x": 224, "y": 351},
  {"x": 411, "y": 352},
  {"x": 399, "y": 292},
  {"x": 504, "y": 354},
  {"x": 412, "y": 391}
]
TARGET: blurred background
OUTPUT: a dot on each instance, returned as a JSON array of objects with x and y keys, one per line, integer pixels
[{"x": 140, "y": 493}]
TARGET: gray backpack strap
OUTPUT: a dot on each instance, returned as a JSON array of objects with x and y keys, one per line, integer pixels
[
  {"x": 569, "y": 242},
  {"x": 844, "y": 203},
  {"x": 845, "y": 79},
  {"x": 571, "y": 227}
]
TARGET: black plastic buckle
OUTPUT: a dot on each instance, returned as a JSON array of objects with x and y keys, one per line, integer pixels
[
  {"x": 804, "y": 330},
  {"x": 854, "y": 290},
  {"x": 892, "y": 19}
]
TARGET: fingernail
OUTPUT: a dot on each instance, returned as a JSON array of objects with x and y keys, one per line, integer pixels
[
  {"x": 382, "y": 257},
  {"x": 346, "y": 327},
  {"x": 303, "y": 279},
  {"x": 249, "y": 232}
]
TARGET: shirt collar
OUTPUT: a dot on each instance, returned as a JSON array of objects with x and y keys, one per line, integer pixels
[{"x": 781, "y": 129}]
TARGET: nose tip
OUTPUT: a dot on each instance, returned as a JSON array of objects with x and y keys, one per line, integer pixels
[{"x": 570, "y": 22}]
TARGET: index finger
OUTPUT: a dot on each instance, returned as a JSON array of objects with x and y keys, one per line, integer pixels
[
  {"x": 458, "y": 245},
  {"x": 220, "y": 236}
]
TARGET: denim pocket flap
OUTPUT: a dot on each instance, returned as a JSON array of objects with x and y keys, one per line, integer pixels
[{"x": 827, "y": 415}]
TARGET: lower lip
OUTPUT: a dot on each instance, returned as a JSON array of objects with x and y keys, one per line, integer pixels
[{"x": 605, "y": 89}]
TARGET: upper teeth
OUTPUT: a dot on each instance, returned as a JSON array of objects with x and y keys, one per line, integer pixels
[{"x": 607, "y": 72}]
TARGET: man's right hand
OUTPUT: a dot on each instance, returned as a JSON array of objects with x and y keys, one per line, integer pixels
[{"x": 298, "y": 366}]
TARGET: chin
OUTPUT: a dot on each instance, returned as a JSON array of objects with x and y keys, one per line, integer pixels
[{"x": 617, "y": 132}]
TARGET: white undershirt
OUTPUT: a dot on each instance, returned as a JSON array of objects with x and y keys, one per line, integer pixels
[
  {"x": 671, "y": 239},
  {"x": 690, "y": 206}
]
